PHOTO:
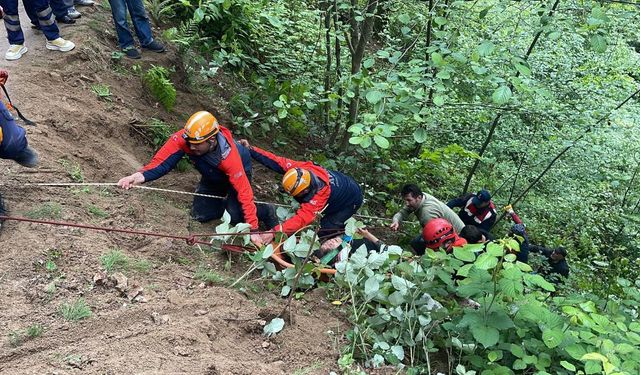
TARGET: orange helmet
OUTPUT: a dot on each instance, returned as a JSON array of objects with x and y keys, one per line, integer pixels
[
  {"x": 200, "y": 127},
  {"x": 438, "y": 233},
  {"x": 295, "y": 180}
]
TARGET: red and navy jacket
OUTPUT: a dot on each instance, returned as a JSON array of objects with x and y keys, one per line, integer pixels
[
  {"x": 13, "y": 138},
  {"x": 330, "y": 189},
  {"x": 229, "y": 163},
  {"x": 482, "y": 218}
]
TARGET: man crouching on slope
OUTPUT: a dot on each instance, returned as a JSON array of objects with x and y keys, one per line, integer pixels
[
  {"x": 318, "y": 190},
  {"x": 225, "y": 167}
]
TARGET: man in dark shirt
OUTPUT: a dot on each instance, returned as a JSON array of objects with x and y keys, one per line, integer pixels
[
  {"x": 476, "y": 209},
  {"x": 557, "y": 262}
]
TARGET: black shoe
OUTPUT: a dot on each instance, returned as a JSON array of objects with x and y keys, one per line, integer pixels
[
  {"x": 132, "y": 53},
  {"x": 65, "y": 19},
  {"x": 154, "y": 46}
]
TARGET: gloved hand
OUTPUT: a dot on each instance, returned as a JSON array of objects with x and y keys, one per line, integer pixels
[
  {"x": 4, "y": 75},
  {"x": 508, "y": 209}
]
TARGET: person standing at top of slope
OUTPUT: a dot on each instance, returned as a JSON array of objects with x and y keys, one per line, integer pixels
[
  {"x": 13, "y": 141},
  {"x": 46, "y": 22},
  {"x": 318, "y": 190},
  {"x": 225, "y": 167}
]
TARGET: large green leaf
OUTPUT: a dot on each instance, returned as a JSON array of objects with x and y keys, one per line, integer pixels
[
  {"x": 501, "y": 95},
  {"x": 374, "y": 96},
  {"x": 464, "y": 254},
  {"x": 486, "y": 261},
  {"x": 487, "y": 336},
  {"x": 552, "y": 337},
  {"x": 598, "y": 43}
]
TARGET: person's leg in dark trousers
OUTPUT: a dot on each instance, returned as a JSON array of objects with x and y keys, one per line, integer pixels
[
  {"x": 206, "y": 209},
  {"x": 266, "y": 213},
  {"x": 419, "y": 245},
  {"x": 334, "y": 222}
]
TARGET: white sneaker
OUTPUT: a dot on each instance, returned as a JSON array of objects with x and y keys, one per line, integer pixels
[
  {"x": 60, "y": 44},
  {"x": 15, "y": 52}
]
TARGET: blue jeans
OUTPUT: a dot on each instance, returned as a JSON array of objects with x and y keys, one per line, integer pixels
[
  {"x": 334, "y": 222},
  {"x": 138, "y": 18}
]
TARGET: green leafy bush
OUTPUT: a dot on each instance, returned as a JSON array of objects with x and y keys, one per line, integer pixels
[
  {"x": 404, "y": 309},
  {"x": 157, "y": 81}
]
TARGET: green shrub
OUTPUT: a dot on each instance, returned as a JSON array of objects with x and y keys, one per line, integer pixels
[{"x": 157, "y": 81}]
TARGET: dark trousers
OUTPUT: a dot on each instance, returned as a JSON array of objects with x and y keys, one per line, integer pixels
[
  {"x": 334, "y": 222},
  {"x": 206, "y": 209},
  {"x": 419, "y": 245},
  {"x": 38, "y": 10}
]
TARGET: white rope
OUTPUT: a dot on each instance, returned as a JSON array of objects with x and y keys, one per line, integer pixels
[{"x": 67, "y": 184}]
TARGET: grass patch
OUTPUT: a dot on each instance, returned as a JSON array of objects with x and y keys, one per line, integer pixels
[
  {"x": 19, "y": 337},
  {"x": 35, "y": 330},
  {"x": 75, "y": 310},
  {"x": 141, "y": 265},
  {"x": 73, "y": 170},
  {"x": 97, "y": 212},
  {"x": 208, "y": 276},
  {"x": 49, "y": 210},
  {"x": 102, "y": 91},
  {"x": 15, "y": 339},
  {"x": 115, "y": 260}
]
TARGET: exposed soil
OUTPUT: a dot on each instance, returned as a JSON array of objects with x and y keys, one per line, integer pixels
[{"x": 184, "y": 326}]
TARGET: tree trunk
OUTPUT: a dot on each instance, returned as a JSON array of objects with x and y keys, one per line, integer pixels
[
  {"x": 360, "y": 36},
  {"x": 496, "y": 120}
]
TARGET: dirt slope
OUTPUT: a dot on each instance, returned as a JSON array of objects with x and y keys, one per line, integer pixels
[{"x": 184, "y": 326}]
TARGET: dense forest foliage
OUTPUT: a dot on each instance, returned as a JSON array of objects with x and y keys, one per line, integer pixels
[{"x": 536, "y": 101}]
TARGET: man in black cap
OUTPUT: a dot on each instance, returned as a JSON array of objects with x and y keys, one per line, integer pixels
[
  {"x": 557, "y": 262},
  {"x": 476, "y": 209}
]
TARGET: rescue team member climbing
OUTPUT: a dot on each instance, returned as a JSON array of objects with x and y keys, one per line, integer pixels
[
  {"x": 425, "y": 207},
  {"x": 314, "y": 187},
  {"x": 13, "y": 141},
  {"x": 440, "y": 234},
  {"x": 225, "y": 167},
  {"x": 476, "y": 209}
]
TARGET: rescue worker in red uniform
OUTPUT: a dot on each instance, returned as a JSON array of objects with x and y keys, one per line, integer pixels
[
  {"x": 225, "y": 167},
  {"x": 318, "y": 190}
]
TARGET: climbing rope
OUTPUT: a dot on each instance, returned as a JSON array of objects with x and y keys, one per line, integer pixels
[
  {"x": 190, "y": 239},
  {"x": 113, "y": 184}
]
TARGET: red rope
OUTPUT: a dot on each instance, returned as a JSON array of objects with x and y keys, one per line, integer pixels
[{"x": 191, "y": 240}]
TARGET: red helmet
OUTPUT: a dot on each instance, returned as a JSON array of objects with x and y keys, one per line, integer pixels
[{"x": 439, "y": 233}]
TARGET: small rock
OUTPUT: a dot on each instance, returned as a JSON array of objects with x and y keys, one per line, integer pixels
[
  {"x": 160, "y": 319},
  {"x": 100, "y": 278},
  {"x": 140, "y": 299},
  {"x": 54, "y": 74},
  {"x": 120, "y": 280},
  {"x": 265, "y": 344},
  {"x": 262, "y": 322},
  {"x": 202, "y": 285},
  {"x": 182, "y": 351},
  {"x": 134, "y": 291},
  {"x": 200, "y": 312}
]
